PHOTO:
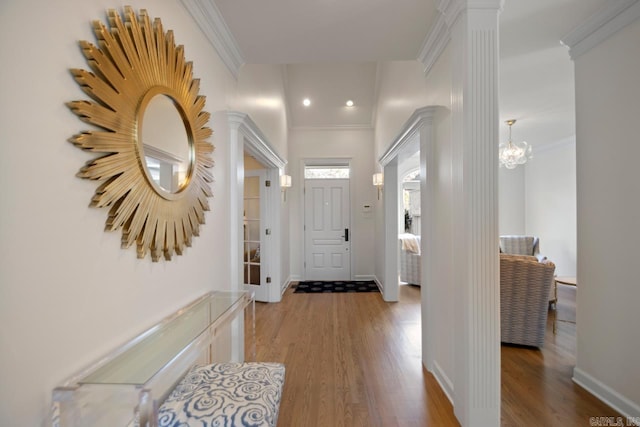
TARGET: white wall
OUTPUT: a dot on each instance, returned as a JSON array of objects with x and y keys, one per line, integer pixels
[
  {"x": 260, "y": 94},
  {"x": 357, "y": 145},
  {"x": 550, "y": 192},
  {"x": 539, "y": 199},
  {"x": 68, "y": 293},
  {"x": 607, "y": 152},
  {"x": 285, "y": 228},
  {"x": 511, "y": 200},
  {"x": 403, "y": 89}
]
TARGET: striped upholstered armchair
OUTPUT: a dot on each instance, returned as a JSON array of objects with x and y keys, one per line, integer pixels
[
  {"x": 525, "y": 284},
  {"x": 520, "y": 245},
  {"x": 410, "y": 259}
]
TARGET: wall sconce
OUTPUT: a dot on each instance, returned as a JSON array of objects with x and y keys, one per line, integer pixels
[
  {"x": 285, "y": 182},
  {"x": 378, "y": 182}
]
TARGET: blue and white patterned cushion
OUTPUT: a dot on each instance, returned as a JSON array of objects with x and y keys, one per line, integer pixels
[{"x": 225, "y": 395}]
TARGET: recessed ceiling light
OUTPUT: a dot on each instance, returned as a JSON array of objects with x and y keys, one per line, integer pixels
[
  {"x": 306, "y": 102},
  {"x": 349, "y": 103}
]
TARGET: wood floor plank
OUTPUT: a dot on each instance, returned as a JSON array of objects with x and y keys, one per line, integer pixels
[{"x": 354, "y": 360}]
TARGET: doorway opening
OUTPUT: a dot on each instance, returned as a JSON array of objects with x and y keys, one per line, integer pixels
[
  {"x": 409, "y": 237},
  {"x": 249, "y": 147}
]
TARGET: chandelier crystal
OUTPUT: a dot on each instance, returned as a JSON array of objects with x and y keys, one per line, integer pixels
[{"x": 512, "y": 153}]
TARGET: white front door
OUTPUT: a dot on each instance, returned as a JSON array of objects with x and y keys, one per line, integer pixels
[
  {"x": 253, "y": 259},
  {"x": 327, "y": 231}
]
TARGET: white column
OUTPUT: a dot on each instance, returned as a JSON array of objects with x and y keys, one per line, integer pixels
[
  {"x": 475, "y": 58},
  {"x": 236, "y": 199},
  {"x": 390, "y": 195}
]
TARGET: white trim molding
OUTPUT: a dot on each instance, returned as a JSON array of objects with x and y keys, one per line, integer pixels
[
  {"x": 435, "y": 43},
  {"x": 365, "y": 277},
  {"x": 440, "y": 33},
  {"x": 614, "y": 16},
  {"x": 245, "y": 136},
  {"x": 285, "y": 285},
  {"x": 445, "y": 383},
  {"x": 260, "y": 146},
  {"x": 422, "y": 116},
  {"x": 209, "y": 19},
  {"x": 605, "y": 393}
]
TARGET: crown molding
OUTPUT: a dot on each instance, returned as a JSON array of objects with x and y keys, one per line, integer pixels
[
  {"x": 422, "y": 116},
  {"x": 434, "y": 44},
  {"x": 440, "y": 34},
  {"x": 614, "y": 16},
  {"x": 209, "y": 19},
  {"x": 450, "y": 10}
]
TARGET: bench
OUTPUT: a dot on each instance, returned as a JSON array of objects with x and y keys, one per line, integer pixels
[{"x": 226, "y": 394}]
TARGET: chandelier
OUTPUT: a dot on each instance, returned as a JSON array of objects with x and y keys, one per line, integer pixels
[{"x": 513, "y": 154}]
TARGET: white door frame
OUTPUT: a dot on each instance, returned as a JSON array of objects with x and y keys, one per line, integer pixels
[
  {"x": 416, "y": 134},
  {"x": 244, "y": 135},
  {"x": 330, "y": 161}
]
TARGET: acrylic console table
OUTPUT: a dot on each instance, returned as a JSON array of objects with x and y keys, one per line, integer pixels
[{"x": 126, "y": 387}]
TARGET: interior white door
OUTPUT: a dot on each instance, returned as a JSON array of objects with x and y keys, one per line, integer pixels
[
  {"x": 327, "y": 231},
  {"x": 253, "y": 259}
]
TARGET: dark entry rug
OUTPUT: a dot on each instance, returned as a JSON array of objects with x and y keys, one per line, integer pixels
[{"x": 326, "y": 287}]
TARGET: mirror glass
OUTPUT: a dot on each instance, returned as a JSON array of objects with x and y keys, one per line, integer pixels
[{"x": 166, "y": 144}]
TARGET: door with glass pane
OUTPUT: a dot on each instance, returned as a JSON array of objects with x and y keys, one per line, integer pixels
[
  {"x": 327, "y": 217},
  {"x": 254, "y": 212}
]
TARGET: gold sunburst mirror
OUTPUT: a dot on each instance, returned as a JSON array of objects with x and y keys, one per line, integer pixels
[{"x": 152, "y": 131}]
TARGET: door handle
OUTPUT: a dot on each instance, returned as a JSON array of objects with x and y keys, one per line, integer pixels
[{"x": 346, "y": 235}]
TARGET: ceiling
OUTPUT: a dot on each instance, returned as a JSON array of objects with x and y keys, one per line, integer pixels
[{"x": 331, "y": 49}]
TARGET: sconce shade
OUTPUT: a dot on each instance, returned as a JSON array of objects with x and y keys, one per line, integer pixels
[
  {"x": 285, "y": 181},
  {"x": 378, "y": 179}
]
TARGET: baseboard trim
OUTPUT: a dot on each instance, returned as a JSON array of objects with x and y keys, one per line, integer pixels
[
  {"x": 370, "y": 277},
  {"x": 285, "y": 285},
  {"x": 605, "y": 393},
  {"x": 445, "y": 383}
]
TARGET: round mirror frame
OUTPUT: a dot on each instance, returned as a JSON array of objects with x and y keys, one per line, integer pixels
[{"x": 136, "y": 57}]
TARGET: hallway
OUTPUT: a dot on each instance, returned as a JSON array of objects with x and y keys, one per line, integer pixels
[
  {"x": 354, "y": 360},
  {"x": 351, "y": 360}
]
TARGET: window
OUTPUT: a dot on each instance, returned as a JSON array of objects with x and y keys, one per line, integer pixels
[
  {"x": 412, "y": 176},
  {"x": 326, "y": 172}
]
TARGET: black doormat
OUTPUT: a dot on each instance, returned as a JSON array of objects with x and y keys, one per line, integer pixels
[{"x": 336, "y": 286}]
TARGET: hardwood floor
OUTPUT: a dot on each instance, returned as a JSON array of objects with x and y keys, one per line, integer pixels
[
  {"x": 536, "y": 384},
  {"x": 354, "y": 360}
]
